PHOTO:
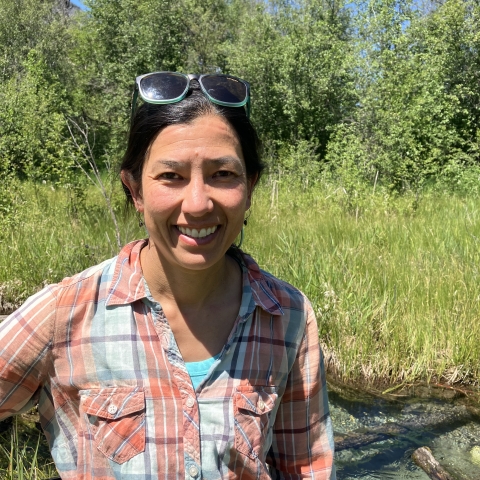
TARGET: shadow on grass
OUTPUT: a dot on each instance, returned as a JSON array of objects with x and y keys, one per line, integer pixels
[{"x": 24, "y": 452}]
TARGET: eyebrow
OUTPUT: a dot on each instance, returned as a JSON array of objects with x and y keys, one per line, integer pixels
[{"x": 217, "y": 162}]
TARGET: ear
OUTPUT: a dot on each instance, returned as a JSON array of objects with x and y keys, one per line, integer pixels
[
  {"x": 134, "y": 188},
  {"x": 251, "y": 185}
]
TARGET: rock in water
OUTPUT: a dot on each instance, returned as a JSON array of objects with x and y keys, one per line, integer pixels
[{"x": 475, "y": 453}]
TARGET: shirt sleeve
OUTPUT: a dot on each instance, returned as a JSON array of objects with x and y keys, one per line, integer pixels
[
  {"x": 25, "y": 340},
  {"x": 302, "y": 445}
]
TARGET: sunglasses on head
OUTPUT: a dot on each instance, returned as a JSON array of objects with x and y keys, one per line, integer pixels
[{"x": 171, "y": 87}]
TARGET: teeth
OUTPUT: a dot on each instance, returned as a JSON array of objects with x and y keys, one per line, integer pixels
[{"x": 194, "y": 233}]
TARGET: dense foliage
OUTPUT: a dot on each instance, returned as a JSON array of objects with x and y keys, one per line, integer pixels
[{"x": 382, "y": 91}]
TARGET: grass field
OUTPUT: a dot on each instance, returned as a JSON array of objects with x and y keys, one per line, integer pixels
[{"x": 394, "y": 280}]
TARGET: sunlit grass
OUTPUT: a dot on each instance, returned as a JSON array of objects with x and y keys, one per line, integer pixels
[
  {"x": 394, "y": 280},
  {"x": 54, "y": 235}
]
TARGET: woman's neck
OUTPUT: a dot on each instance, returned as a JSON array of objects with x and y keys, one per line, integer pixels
[
  {"x": 186, "y": 288},
  {"x": 201, "y": 306}
]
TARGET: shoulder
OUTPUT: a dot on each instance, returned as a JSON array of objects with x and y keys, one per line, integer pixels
[
  {"x": 284, "y": 291},
  {"x": 113, "y": 277},
  {"x": 93, "y": 285},
  {"x": 284, "y": 308},
  {"x": 70, "y": 291},
  {"x": 287, "y": 296},
  {"x": 40, "y": 311},
  {"x": 87, "y": 282}
]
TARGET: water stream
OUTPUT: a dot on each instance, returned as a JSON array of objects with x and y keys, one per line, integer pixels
[{"x": 446, "y": 427}]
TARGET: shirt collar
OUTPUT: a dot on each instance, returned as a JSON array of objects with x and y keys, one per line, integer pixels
[
  {"x": 127, "y": 282},
  {"x": 262, "y": 293},
  {"x": 128, "y": 286}
]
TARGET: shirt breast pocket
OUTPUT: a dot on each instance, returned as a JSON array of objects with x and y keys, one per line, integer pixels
[
  {"x": 115, "y": 418},
  {"x": 253, "y": 405}
]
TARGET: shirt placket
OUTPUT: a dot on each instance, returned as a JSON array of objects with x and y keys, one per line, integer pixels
[
  {"x": 190, "y": 407},
  {"x": 191, "y": 417}
]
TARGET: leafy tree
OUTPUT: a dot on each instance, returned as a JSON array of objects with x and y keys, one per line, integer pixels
[
  {"x": 295, "y": 57},
  {"x": 211, "y": 26},
  {"x": 115, "y": 41},
  {"x": 33, "y": 45},
  {"x": 412, "y": 118},
  {"x": 33, "y": 141},
  {"x": 31, "y": 24},
  {"x": 383, "y": 90}
]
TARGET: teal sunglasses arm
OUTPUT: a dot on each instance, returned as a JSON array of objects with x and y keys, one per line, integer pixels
[{"x": 134, "y": 103}]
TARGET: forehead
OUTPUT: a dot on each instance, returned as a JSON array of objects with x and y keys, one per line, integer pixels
[{"x": 207, "y": 137}]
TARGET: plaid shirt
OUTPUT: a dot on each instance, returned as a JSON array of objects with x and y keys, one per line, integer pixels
[{"x": 116, "y": 401}]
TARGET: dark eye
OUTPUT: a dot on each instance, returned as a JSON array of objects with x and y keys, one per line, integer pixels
[
  {"x": 223, "y": 173},
  {"x": 170, "y": 176}
]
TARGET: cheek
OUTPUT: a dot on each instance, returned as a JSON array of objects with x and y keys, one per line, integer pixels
[
  {"x": 159, "y": 200},
  {"x": 236, "y": 201}
]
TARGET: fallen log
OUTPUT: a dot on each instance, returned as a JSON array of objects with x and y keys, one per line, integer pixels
[
  {"x": 363, "y": 437},
  {"x": 426, "y": 461},
  {"x": 376, "y": 434}
]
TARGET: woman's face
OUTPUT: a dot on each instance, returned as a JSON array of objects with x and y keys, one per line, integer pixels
[{"x": 194, "y": 192}]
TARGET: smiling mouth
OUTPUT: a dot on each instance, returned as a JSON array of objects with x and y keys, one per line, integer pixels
[{"x": 194, "y": 233}]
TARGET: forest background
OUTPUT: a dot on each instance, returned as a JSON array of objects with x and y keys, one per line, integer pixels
[{"x": 369, "y": 112}]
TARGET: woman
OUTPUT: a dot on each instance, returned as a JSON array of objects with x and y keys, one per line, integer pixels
[{"x": 179, "y": 358}]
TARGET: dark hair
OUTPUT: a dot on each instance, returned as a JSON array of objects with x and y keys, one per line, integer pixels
[{"x": 150, "y": 119}]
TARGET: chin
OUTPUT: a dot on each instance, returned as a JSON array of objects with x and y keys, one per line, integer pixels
[{"x": 198, "y": 262}]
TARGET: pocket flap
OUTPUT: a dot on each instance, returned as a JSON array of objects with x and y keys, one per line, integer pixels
[
  {"x": 112, "y": 403},
  {"x": 256, "y": 399}
]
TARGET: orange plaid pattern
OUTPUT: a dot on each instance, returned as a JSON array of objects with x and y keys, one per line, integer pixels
[{"x": 115, "y": 398}]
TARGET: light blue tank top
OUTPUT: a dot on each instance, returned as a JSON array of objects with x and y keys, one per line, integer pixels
[{"x": 198, "y": 370}]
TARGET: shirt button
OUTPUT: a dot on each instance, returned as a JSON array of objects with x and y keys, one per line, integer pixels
[
  {"x": 193, "y": 471},
  {"x": 112, "y": 409},
  {"x": 190, "y": 402},
  {"x": 261, "y": 405}
]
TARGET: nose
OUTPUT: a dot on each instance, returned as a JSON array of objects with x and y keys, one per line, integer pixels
[{"x": 196, "y": 200}]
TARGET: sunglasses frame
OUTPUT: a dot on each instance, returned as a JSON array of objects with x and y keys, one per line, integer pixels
[{"x": 138, "y": 91}]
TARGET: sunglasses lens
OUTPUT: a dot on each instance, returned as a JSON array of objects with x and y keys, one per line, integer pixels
[
  {"x": 163, "y": 86},
  {"x": 225, "y": 89}
]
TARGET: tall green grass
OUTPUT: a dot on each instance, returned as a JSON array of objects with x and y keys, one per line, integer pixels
[
  {"x": 54, "y": 233},
  {"x": 24, "y": 454},
  {"x": 394, "y": 280}
]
